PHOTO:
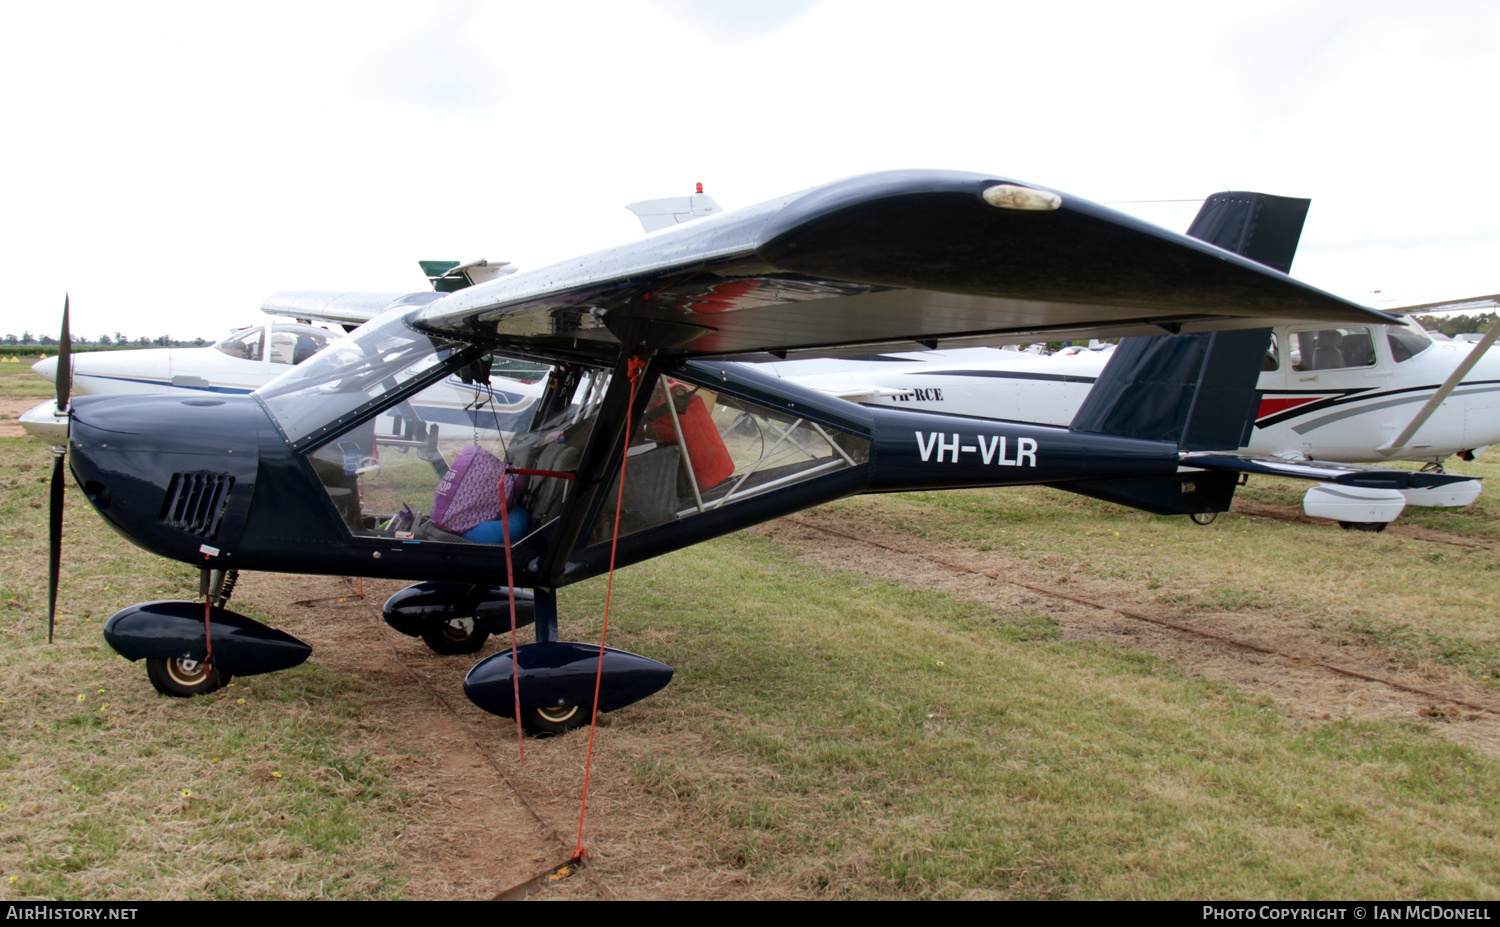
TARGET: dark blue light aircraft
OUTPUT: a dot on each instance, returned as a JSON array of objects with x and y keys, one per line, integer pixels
[{"x": 634, "y": 343}]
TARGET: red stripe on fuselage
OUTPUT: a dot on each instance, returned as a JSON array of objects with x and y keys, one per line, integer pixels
[{"x": 1272, "y": 405}]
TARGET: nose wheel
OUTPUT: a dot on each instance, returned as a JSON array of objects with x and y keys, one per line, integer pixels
[{"x": 183, "y": 678}]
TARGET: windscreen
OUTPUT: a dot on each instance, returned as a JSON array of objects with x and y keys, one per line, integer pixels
[
  {"x": 352, "y": 373},
  {"x": 1406, "y": 342},
  {"x": 428, "y": 467}
]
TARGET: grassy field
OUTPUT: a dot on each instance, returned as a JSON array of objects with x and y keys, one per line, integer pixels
[
  {"x": 107, "y": 791},
  {"x": 906, "y": 744},
  {"x": 1433, "y": 602},
  {"x": 17, "y": 381},
  {"x": 827, "y": 735}
]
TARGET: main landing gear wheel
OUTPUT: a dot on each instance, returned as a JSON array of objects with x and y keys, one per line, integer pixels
[
  {"x": 1372, "y": 526},
  {"x": 559, "y": 719},
  {"x": 458, "y": 636},
  {"x": 183, "y": 678},
  {"x": 1203, "y": 518}
]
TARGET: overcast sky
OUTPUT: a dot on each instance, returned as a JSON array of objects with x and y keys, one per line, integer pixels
[{"x": 171, "y": 164}]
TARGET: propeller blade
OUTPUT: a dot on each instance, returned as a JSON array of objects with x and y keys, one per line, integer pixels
[
  {"x": 59, "y": 477},
  {"x": 54, "y": 540},
  {"x": 64, "y": 362}
]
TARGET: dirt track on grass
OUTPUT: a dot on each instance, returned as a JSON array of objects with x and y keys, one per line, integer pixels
[
  {"x": 474, "y": 835},
  {"x": 1306, "y": 673},
  {"x": 11, "y": 411}
]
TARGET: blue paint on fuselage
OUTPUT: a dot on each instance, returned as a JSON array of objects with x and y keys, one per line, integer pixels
[{"x": 168, "y": 384}]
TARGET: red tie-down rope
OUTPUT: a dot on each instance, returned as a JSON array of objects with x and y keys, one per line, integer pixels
[
  {"x": 633, "y": 366},
  {"x": 510, "y": 585}
]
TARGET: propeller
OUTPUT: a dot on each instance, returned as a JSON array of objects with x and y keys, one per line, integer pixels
[{"x": 59, "y": 484}]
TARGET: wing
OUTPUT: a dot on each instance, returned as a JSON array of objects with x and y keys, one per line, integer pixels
[
  {"x": 341, "y": 307},
  {"x": 1464, "y": 304},
  {"x": 896, "y": 261},
  {"x": 350, "y": 308}
]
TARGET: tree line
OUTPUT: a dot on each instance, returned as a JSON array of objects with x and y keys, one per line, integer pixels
[
  {"x": 118, "y": 339},
  {"x": 1451, "y": 325}
]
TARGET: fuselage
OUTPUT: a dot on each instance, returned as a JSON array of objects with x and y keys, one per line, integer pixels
[
  {"x": 1343, "y": 407},
  {"x": 297, "y": 478},
  {"x": 237, "y": 365}
]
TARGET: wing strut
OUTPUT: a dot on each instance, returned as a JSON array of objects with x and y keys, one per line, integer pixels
[{"x": 640, "y": 341}]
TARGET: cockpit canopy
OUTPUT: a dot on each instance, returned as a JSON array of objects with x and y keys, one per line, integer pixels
[
  {"x": 290, "y": 343},
  {"x": 408, "y": 433}
]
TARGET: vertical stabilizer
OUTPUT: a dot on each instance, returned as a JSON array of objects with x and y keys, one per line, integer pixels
[
  {"x": 1198, "y": 391},
  {"x": 1259, "y": 226}
]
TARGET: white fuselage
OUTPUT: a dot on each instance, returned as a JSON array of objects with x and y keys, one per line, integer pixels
[
  {"x": 237, "y": 365},
  {"x": 1323, "y": 406}
]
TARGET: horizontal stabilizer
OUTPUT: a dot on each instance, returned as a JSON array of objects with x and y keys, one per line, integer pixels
[
  {"x": 451, "y": 276},
  {"x": 673, "y": 210},
  {"x": 1324, "y": 471}
]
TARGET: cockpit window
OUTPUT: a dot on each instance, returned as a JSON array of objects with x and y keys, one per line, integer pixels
[
  {"x": 245, "y": 345},
  {"x": 1272, "y": 360},
  {"x": 1332, "y": 349},
  {"x": 293, "y": 344},
  {"x": 1406, "y": 342},
  {"x": 697, "y": 450},
  {"x": 428, "y": 467},
  {"x": 351, "y": 374}
]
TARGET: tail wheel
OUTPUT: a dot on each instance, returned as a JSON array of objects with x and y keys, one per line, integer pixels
[
  {"x": 455, "y": 637},
  {"x": 558, "y": 719},
  {"x": 1203, "y": 518},
  {"x": 183, "y": 678},
  {"x": 1372, "y": 526}
]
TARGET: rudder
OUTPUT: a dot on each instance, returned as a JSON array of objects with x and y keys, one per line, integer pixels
[{"x": 1197, "y": 391}]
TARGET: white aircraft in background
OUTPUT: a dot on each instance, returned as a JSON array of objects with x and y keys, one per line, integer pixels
[
  {"x": 253, "y": 356},
  {"x": 237, "y": 365},
  {"x": 1357, "y": 394}
]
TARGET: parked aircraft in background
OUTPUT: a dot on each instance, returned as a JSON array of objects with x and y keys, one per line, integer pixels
[
  {"x": 1341, "y": 394},
  {"x": 237, "y": 365},
  {"x": 253, "y": 356}
]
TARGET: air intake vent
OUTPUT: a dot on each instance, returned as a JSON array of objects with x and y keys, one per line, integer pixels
[{"x": 196, "y": 502}]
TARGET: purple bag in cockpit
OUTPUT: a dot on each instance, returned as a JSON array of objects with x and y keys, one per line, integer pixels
[{"x": 469, "y": 491}]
